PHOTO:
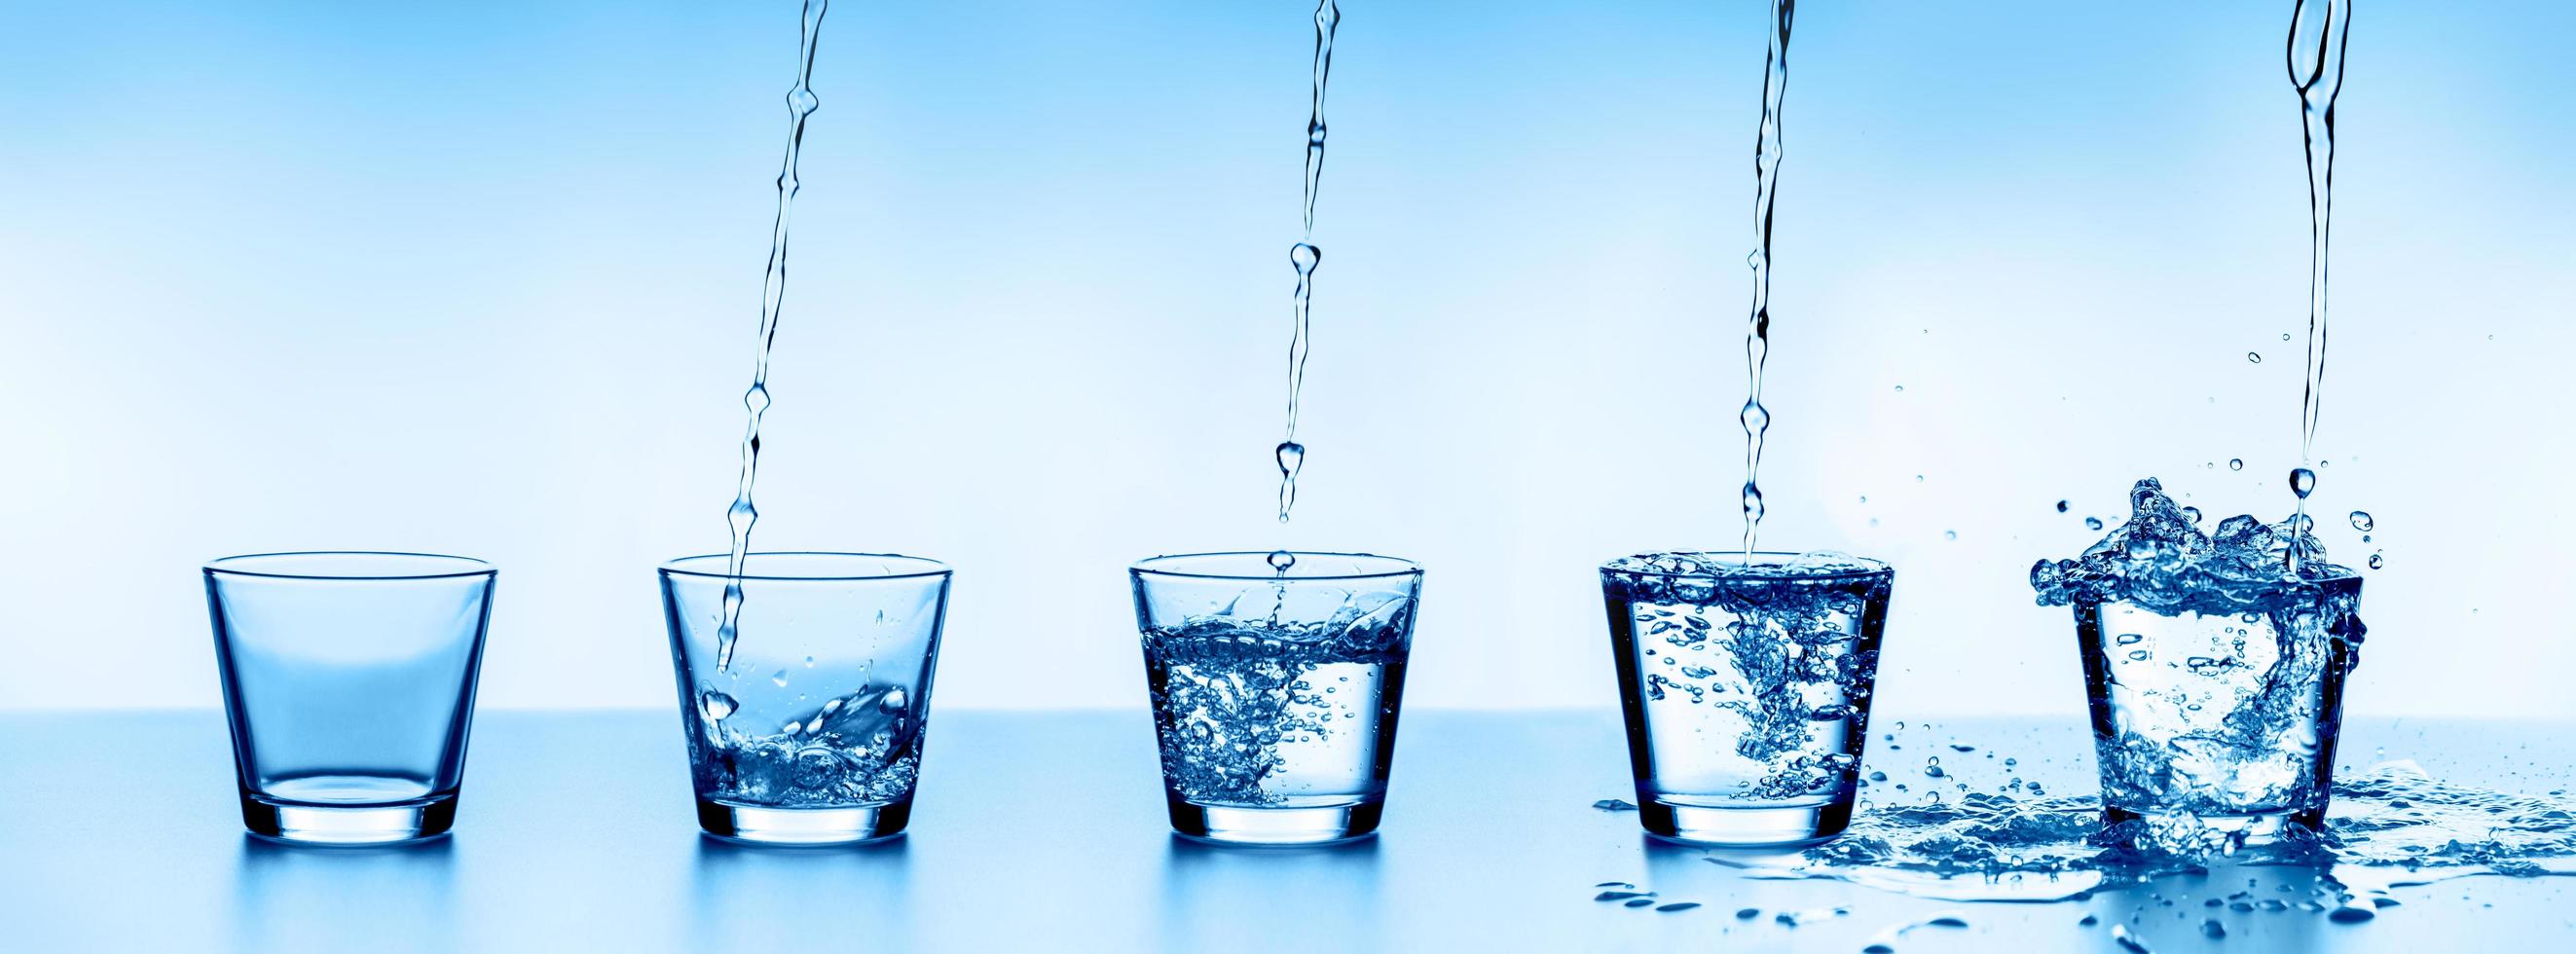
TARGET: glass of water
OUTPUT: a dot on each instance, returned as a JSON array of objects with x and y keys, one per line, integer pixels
[
  {"x": 349, "y": 681},
  {"x": 804, "y": 719},
  {"x": 1275, "y": 680},
  {"x": 2221, "y": 724},
  {"x": 1745, "y": 679}
]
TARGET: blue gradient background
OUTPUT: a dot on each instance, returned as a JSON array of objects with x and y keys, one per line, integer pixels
[{"x": 481, "y": 278}]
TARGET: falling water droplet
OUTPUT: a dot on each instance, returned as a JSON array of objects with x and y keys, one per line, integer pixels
[
  {"x": 1950, "y": 534},
  {"x": 1292, "y": 460},
  {"x": 2303, "y": 482},
  {"x": 2254, "y": 357},
  {"x": 1281, "y": 560},
  {"x": 2092, "y": 523},
  {"x": 2236, "y": 463},
  {"x": 1900, "y": 389},
  {"x": 892, "y": 702},
  {"x": 2061, "y": 506},
  {"x": 2376, "y": 562},
  {"x": 2361, "y": 521}
]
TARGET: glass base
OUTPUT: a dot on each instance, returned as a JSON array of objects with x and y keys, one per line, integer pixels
[
  {"x": 353, "y": 825},
  {"x": 2251, "y": 829},
  {"x": 1280, "y": 827},
  {"x": 753, "y": 825},
  {"x": 1752, "y": 827}
]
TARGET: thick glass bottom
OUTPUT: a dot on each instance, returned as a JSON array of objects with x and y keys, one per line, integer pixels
[
  {"x": 1275, "y": 827},
  {"x": 348, "y": 825},
  {"x": 808, "y": 827},
  {"x": 2248, "y": 829},
  {"x": 1748, "y": 827}
]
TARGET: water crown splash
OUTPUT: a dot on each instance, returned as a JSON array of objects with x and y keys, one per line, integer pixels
[
  {"x": 1766, "y": 183},
  {"x": 2317, "y": 32},
  {"x": 773, "y": 288},
  {"x": 1304, "y": 256}
]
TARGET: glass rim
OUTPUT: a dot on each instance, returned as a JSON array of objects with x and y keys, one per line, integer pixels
[
  {"x": 470, "y": 566},
  {"x": 1781, "y": 558},
  {"x": 924, "y": 567},
  {"x": 1400, "y": 567}
]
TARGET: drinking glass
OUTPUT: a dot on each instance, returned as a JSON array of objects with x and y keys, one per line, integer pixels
[
  {"x": 1275, "y": 681},
  {"x": 1745, "y": 680},
  {"x": 349, "y": 681},
  {"x": 2224, "y": 720},
  {"x": 811, "y": 732}
]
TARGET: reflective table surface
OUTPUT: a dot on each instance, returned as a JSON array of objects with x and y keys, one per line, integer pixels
[{"x": 1045, "y": 831}]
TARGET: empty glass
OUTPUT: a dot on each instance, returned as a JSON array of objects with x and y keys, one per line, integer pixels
[
  {"x": 1745, "y": 679},
  {"x": 1275, "y": 681},
  {"x": 349, "y": 679},
  {"x": 2223, "y": 720},
  {"x": 811, "y": 733}
]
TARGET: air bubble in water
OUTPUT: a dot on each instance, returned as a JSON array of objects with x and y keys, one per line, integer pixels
[{"x": 2361, "y": 521}]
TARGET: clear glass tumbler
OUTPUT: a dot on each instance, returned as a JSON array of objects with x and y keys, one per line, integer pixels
[
  {"x": 2224, "y": 722},
  {"x": 1745, "y": 680},
  {"x": 1275, "y": 680},
  {"x": 811, "y": 732},
  {"x": 349, "y": 679}
]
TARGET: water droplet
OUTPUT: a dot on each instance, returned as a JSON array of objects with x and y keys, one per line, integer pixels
[
  {"x": 2192, "y": 514},
  {"x": 809, "y": 662},
  {"x": 2361, "y": 521},
  {"x": 1281, "y": 560},
  {"x": 1747, "y": 914},
  {"x": 2303, "y": 482},
  {"x": 2351, "y": 914},
  {"x": 2138, "y": 655},
  {"x": 2129, "y": 639},
  {"x": 892, "y": 702},
  {"x": 2061, "y": 506},
  {"x": 2376, "y": 562},
  {"x": 1676, "y": 906},
  {"x": 2092, "y": 523},
  {"x": 779, "y": 677},
  {"x": 715, "y": 704},
  {"x": 1950, "y": 534},
  {"x": 2236, "y": 463},
  {"x": 2210, "y": 928},
  {"x": 1918, "y": 478},
  {"x": 2254, "y": 357},
  {"x": 2285, "y": 336},
  {"x": 1900, "y": 389}
]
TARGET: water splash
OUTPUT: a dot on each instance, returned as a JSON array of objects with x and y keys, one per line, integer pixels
[
  {"x": 2162, "y": 561},
  {"x": 1304, "y": 256},
  {"x": 773, "y": 287},
  {"x": 2317, "y": 32},
  {"x": 1766, "y": 185}
]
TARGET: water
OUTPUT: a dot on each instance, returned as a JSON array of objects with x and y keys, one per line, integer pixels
[
  {"x": 861, "y": 749},
  {"x": 2317, "y": 32},
  {"x": 1280, "y": 714},
  {"x": 1745, "y": 685},
  {"x": 1766, "y": 183},
  {"x": 1304, "y": 256},
  {"x": 773, "y": 289},
  {"x": 2215, "y": 667}
]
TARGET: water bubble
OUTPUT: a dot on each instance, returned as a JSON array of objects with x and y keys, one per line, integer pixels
[
  {"x": 2303, "y": 482},
  {"x": 2254, "y": 357},
  {"x": 2061, "y": 506},
  {"x": 2092, "y": 523},
  {"x": 2236, "y": 463},
  {"x": 2361, "y": 521},
  {"x": 893, "y": 701},
  {"x": 715, "y": 704}
]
